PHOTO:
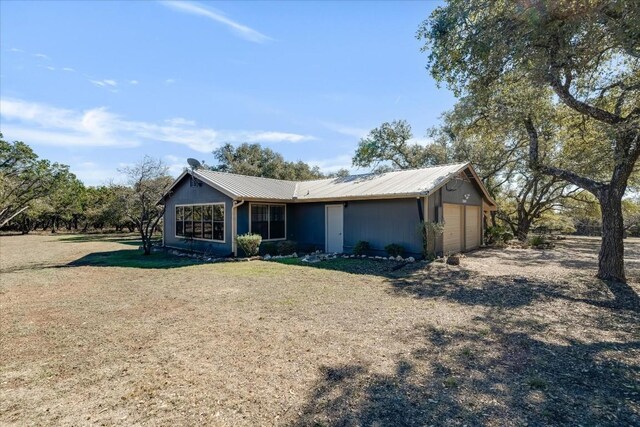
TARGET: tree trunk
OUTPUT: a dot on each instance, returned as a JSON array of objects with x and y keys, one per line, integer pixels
[
  {"x": 611, "y": 259},
  {"x": 522, "y": 229}
]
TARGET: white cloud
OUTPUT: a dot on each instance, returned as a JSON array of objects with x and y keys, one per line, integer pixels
[
  {"x": 92, "y": 174},
  {"x": 41, "y": 56},
  {"x": 68, "y": 69},
  {"x": 46, "y": 125},
  {"x": 15, "y": 49},
  {"x": 105, "y": 83},
  {"x": 175, "y": 164},
  {"x": 133, "y": 82},
  {"x": 243, "y": 31},
  {"x": 353, "y": 131},
  {"x": 51, "y": 68},
  {"x": 179, "y": 121},
  {"x": 170, "y": 81}
]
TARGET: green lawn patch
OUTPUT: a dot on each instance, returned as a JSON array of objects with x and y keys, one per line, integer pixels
[
  {"x": 134, "y": 259},
  {"x": 347, "y": 265}
]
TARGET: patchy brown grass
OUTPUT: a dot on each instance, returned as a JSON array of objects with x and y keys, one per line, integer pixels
[{"x": 92, "y": 334}]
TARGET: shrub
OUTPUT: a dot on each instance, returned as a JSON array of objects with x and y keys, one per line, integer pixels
[
  {"x": 268, "y": 248},
  {"x": 541, "y": 241},
  {"x": 361, "y": 248},
  {"x": 429, "y": 231},
  {"x": 249, "y": 243},
  {"x": 497, "y": 234},
  {"x": 394, "y": 249},
  {"x": 287, "y": 247}
]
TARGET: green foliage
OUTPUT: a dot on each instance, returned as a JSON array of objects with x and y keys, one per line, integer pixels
[
  {"x": 541, "y": 241},
  {"x": 287, "y": 247},
  {"x": 254, "y": 160},
  {"x": 361, "y": 248},
  {"x": 394, "y": 249},
  {"x": 268, "y": 248},
  {"x": 497, "y": 234},
  {"x": 24, "y": 178},
  {"x": 249, "y": 243},
  {"x": 389, "y": 147},
  {"x": 566, "y": 74},
  {"x": 429, "y": 231}
]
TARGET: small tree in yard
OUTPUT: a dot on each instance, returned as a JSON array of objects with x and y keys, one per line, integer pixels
[{"x": 148, "y": 181}]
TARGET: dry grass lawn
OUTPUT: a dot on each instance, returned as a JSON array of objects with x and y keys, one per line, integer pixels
[{"x": 91, "y": 334}]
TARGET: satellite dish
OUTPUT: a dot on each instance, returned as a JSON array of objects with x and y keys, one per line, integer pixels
[{"x": 195, "y": 164}]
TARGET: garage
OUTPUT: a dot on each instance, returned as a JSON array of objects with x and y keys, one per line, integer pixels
[
  {"x": 452, "y": 235},
  {"x": 462, "y": 228},
  {"x": 472, "y": 228}
]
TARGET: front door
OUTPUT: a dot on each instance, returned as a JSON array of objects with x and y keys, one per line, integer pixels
[{"x": 334, "y": 224}]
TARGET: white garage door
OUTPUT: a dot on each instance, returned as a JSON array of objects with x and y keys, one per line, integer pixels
[
  {"x": 472, "y": 227},
  {"x": 452, "y": 237}
]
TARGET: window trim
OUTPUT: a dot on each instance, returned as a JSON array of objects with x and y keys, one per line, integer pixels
[
  {"x": 224, "y": 221},
  {"x": 269, "y": 219}
]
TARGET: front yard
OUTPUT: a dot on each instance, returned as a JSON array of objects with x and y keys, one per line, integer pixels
[{"x": 94, "y": 334}]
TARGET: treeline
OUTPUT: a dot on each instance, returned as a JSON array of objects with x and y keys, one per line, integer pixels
[{"x": 36, "y": 194}]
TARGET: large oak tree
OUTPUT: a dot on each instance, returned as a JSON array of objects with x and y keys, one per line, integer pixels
[{"x": 582, "y": 56}]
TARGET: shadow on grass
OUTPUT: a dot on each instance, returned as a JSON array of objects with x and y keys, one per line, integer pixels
[
  {"x": 133, "y": 259},
  {"x": 357, "y": 266},
  {"x": 491, "y": 374},
  {"x": 133, "y": 239}
]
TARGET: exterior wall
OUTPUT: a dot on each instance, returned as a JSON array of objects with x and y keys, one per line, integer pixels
[
  {"x": 306, "y": 225},
  {"x": 461, "y": 192},
  {"x": 183, "y": 193},
  {"x": 381, "y": 222}
]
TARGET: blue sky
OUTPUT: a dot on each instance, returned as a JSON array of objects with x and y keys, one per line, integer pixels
[{"x": 97, "y": 85}]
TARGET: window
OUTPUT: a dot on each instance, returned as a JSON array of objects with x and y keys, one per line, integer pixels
[
  {"x": 269, "y": 221},
  {"x": 203, "y": 222},
  {"x": 179, "y": 221}
]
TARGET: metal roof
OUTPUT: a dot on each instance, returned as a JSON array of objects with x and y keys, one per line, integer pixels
[
  {"x": 248, "y": 187},
  {"x": 404, "y": 183},
  {"x": 410, "y": 182}
]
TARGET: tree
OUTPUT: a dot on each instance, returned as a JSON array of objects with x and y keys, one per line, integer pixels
[
  {"x": 340, "y": 173},
  {"x": 253, "y": 160},
  {"x": 583, "y": 57},
  {"x": 24, "y": 178},
  {"x": 498, "y": 150},
  {"x": 631, "y": 214},
  {"x": 389, "y": 147},
  {"x": 148, "y": 180}
]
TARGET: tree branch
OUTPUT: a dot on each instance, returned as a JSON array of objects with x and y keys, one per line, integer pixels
[{"x": 588, "y": 184}]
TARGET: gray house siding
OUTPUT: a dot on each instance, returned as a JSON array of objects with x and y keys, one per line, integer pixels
[
  {"x": 185, "y": 194},
  {"x": 381, "y": 222},
  {"x": 306, "y": 225},
  {"x": 462, "y": 192}
]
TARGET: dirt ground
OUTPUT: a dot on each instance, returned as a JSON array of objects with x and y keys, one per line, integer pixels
[{"x": 91, "y": 334}]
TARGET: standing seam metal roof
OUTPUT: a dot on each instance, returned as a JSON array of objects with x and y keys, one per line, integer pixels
[{"x": 405, "y": 182}]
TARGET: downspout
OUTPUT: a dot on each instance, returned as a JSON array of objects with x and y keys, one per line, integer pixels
[{"x": 234, "y": 225}]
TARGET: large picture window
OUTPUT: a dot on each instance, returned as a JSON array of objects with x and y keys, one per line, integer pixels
[
  {"x": 205, "y": 222},
  {"x": 269, "y": 221}
]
